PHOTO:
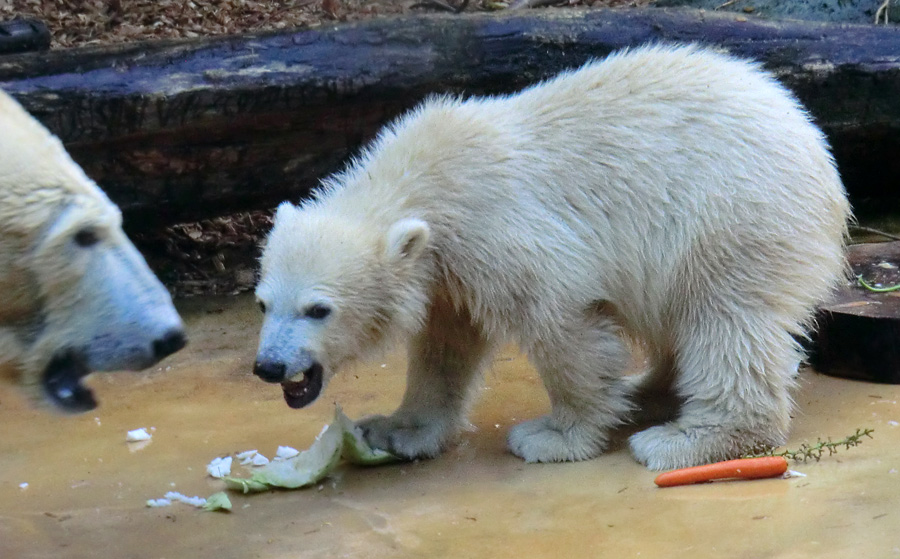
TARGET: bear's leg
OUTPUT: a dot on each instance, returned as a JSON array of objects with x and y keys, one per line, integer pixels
[
  {"x": 581, "y": 368},
  {"x": 445, "y": 362},
  {"x": 734, "y": 375}
]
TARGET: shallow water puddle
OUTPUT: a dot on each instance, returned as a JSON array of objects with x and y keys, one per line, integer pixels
[{"x": 87, "y": 486}]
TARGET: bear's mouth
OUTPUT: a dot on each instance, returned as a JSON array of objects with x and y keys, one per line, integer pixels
[
  {"x": 303, "y": 392},
  {"x": 62, "y": 383}
]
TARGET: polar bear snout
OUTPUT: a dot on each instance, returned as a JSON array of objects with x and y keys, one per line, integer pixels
[
  {"x": 300, "y": 389},
  {"x": 62, "y": 378},
  {"x": 169, "y": 343},
  {"x": 131, "y": 347},
  {"x": 269, "y": 371}
]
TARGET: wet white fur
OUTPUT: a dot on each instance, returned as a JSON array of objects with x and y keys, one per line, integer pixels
[
  {"x": 55, "y": 295},
  {"x": 674, "y": 195}
]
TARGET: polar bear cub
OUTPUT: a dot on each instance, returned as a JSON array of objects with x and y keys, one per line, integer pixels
[{"x": 672, "y": 195}]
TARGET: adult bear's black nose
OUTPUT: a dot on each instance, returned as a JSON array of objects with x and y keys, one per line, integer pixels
[
  {"x": 269, "y": 371},
  {"x": 169, "y": 343}
]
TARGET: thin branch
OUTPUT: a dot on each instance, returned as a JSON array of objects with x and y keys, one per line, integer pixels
[
  {"x": 815, "y": 451},
  {"x": 874, "y": 289},
  {"x": 883, "y": 9},
  {"x": 875, "y": 232},
  {"x": 725, "y": 5}
]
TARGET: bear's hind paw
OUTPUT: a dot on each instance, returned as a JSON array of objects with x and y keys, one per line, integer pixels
[
  {"x": 671, "y": 446},
  {"x": 540, "y": 440}
]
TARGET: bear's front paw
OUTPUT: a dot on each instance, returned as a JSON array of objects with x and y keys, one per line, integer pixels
[
  {"x": 405, "y": 436},
  {"x": 541, "y": 440}
]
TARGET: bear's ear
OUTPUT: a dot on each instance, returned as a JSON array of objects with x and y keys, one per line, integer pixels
[{"x": 407, "y": 239}]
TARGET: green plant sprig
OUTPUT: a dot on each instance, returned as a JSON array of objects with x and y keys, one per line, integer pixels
[
  {"x": 806, "y": 451},
  {"x": 874, "y": 289}
]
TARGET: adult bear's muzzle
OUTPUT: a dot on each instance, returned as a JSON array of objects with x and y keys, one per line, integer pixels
[
  {"x": 62, "y": 383},
  {"x": 62, "y": 378}
]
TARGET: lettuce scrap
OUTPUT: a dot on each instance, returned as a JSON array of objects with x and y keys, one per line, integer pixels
[
  {"x": 217, "y": 501},
  {"x": 356, "y": 449},
  {"x": 245, "y": 485},
  {"x": 342, "y": 438}
]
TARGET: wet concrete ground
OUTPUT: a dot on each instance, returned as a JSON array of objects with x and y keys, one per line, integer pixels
[{"x": 86, "y": 487}]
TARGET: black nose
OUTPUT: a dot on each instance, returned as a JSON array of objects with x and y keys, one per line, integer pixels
[
  {"x": 171, "y": 342},
  {"x": 269, "y": 371}
]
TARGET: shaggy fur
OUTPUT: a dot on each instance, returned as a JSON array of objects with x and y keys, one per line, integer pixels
[
  {"x": 673, "y": 195},
  {"x": 73, "y": 287}
]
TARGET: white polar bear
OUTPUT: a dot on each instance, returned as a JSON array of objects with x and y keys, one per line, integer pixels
[
  {"x": 671, "y": 195},
  {"x": 76, "y": 294}
]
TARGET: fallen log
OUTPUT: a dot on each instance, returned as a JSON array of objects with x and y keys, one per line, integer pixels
[
  {"x": 858, "y": 334},
  {"x": 178, "y": 131}
]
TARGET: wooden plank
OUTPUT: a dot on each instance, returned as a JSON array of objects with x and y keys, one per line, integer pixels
[{"x": 858, "y": 333}]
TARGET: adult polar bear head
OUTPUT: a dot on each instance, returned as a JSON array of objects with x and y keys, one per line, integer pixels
[{"x": 75, "y": 295}]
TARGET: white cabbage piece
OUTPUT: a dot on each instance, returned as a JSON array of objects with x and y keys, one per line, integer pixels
[
  {"x": 219, "y": 467},
  {"x": 285, "y": 453},
  {"x": 339, "y": 439},
  {"x": 138, "y": 435},
  {"x": 181, "y": 498},
  {"x": 217, "y": 502},
  {"x": 356, "y": 450},
  {"x": 155, "y": 503}
]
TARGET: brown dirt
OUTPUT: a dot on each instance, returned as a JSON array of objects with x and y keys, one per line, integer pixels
[
  {"x": 85, "y": 22},
  {"x": 214, "y": 256}
]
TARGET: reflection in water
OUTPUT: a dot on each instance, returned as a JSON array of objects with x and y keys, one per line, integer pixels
[{"x": 86, "y": 486}]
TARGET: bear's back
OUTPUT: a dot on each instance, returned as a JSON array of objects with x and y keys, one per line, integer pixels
[{"x": 652, "y": 172}]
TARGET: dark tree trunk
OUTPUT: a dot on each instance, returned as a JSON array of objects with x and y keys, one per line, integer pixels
[{"x": 185, "y": 130}]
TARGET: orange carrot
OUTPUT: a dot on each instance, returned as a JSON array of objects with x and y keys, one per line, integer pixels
[{"x": 743, "y": 468}]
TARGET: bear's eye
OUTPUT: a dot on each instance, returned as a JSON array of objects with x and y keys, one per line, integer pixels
[
  {"x": 317, "y": 312},
  {"x": 86, "y": 238},
  {"x": 262, "y": 306}
]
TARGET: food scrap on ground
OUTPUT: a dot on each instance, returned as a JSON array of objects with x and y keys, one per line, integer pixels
[
  {"x": 156, "y": 503},
  {"x": 219, "y": 467},
  {"x": 768, "y": 464},
  {"x": 181, "y": 498},
  {"x": 285, "y": 452},
  {"x": 252, "y": 458},
  {"x": 303, "y": 470},
  {"x": 339, "y": 439},
  {"x": 356, "y": 450},
  {"x": 742, "y": 468},
  {"x": 138, "y": 435},
  {"x": 217, "y": 502},
  {"x": 174, "y": 496},
  {"x": 290, "y": 468}
]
